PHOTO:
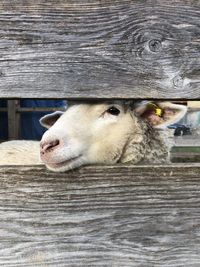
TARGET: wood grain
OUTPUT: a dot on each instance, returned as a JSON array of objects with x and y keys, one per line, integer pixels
[
  {"x": 100, "y": 49},
  {"x": 13, "y": 120},
  {"x": 117, "y": 216}
]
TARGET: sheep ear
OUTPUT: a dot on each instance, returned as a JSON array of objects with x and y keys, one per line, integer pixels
[
  {"x": 48, "y": 120},
  {"x": 160, "y": 114}
]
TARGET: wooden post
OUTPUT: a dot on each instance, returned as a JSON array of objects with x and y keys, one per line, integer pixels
[{"x": 13, "y": 120}]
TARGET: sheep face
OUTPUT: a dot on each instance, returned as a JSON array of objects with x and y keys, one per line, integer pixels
[
  {"x": 103, "y": 133},
  {"x": 87, "y": 134}
]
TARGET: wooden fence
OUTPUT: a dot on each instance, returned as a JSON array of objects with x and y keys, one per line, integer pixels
[
  {"x": 117, "y": 216},
  {"x": 14, "y": 112}
]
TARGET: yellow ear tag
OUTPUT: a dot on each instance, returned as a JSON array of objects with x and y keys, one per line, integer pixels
[{"x": 158, "y": 112}]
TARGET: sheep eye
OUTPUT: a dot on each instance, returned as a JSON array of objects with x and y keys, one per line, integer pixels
[{"x": 113, "y": 111}]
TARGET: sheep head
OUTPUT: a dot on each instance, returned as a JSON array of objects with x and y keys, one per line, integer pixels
[{"x": 100, "y": 132}]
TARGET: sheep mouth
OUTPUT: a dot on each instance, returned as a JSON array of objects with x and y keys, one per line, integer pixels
[{"x": 70, "y": 162}]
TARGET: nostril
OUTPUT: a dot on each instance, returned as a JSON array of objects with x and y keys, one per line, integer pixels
[
  {"x": 55, "y": 143},
  {"x": 48, "y": 146}
]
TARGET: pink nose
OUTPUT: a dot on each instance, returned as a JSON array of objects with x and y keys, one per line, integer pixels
[{"x": 46, "y": 147}]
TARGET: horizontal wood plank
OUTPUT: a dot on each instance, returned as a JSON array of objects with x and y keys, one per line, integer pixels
[
  {"x": 100, "y": 49},
  {"x": 117, "y": 216}
]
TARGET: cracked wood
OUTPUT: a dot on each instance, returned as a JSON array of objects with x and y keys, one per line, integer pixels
[
  {"x": 128, "y": 216},
  {"x": 99, "y": 49}
]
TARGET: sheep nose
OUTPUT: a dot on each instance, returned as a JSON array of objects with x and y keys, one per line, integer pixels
[{"x": 46, "y": 147}]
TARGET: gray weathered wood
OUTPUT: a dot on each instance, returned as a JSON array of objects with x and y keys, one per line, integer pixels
[
  {"x": 13, "y": 120},
  {"x": 101, "y": 49},
  {"x": 100, "y": 216}
]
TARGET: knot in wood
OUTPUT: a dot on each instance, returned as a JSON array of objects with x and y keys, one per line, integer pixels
[
  {"x": 178, "y": 81},
  {"x": 155, "y": 45}
]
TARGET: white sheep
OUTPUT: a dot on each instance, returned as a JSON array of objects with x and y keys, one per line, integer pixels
[{"x": 99, "y": 133}]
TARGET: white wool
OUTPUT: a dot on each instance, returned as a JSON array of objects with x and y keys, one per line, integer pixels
[{"x": 19, "y": 152}]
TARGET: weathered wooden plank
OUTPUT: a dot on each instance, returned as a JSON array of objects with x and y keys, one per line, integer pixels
[
  {"x": 13, "y": 120},
  {"x": 100, "y": 216},
  {"x": 101, "y": 49}
]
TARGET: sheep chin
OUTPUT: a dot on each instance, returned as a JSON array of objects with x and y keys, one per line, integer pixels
[{"x": 67, "y": 165}]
